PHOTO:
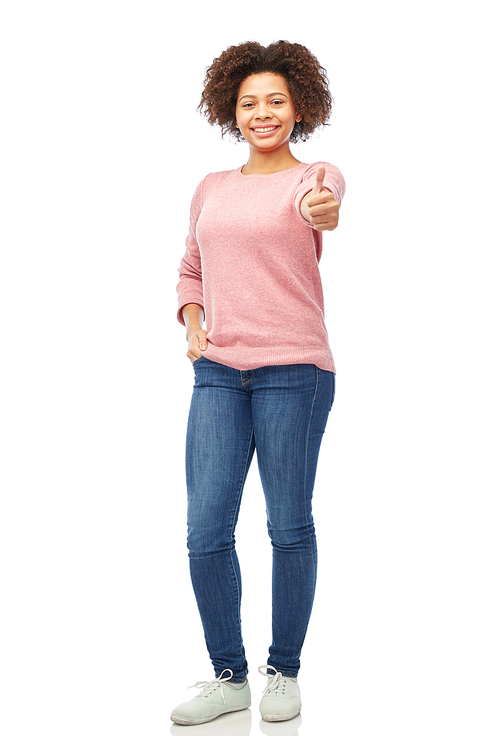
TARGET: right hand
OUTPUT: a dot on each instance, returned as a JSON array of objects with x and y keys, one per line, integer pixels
[{"x": 197, "y": 341}]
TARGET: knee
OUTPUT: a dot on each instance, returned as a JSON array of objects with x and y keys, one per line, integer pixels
[
  {"x": 203, "y": 542},
  {"x": 292, "y": 539}
]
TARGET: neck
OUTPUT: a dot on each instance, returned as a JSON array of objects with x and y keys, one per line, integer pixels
[{"x": 261, "y": 162}]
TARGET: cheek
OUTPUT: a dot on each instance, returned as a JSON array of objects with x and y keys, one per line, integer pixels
[{"x": 240, "y": 119}]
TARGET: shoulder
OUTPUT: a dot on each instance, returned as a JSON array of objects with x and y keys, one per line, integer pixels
[
  {"x": 217, "y": 177},
  {"x": 213, "y": 184},
  {"x": 216, "y": 180},
  {"x": 221, "y": 177}
]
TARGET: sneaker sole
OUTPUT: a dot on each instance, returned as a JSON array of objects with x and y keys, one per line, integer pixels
[
  {"x": 282, "y": 717},
  {"x": 197, "y": 721}
]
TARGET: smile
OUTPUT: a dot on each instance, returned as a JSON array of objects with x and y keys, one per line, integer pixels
[{"x": 265, "y": 130}]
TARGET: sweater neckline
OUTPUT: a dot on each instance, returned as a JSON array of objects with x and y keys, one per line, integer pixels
[{"x": 266, "y": 176}]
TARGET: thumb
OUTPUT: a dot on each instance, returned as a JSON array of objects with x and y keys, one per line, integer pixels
[
  {"x": 320, "y": 178},
  {"x": 202, "y": 341}
]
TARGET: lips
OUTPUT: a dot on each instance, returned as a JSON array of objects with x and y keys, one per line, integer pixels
[{"x": 265, "y": 131}]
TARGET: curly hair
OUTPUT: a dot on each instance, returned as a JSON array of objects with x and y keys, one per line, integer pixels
[{"x": 306, "y": 80}]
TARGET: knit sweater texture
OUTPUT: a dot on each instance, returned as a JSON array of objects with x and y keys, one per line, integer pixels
[{"x": 252, "y": 264}]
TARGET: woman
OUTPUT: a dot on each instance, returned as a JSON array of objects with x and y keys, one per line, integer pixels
[{"x": 264, "y": 372}]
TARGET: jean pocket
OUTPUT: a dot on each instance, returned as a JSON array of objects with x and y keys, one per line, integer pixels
[{"x": 198, "y": 360}]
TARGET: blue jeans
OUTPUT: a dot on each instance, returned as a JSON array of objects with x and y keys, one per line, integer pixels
[{"x": 281, "y": 413}]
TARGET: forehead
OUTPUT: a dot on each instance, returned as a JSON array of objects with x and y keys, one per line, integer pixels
[{"x": 263, "y": 84}]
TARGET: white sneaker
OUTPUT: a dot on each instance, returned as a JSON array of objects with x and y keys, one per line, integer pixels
[
  {"x": 281, "y": 698},
  {"x": 216, "y": 698}
]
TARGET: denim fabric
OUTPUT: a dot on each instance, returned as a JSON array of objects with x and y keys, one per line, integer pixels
[{"x": 281, "y": 413}]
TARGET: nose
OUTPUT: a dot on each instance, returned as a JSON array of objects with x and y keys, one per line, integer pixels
[{"x": 262, "y": 112}]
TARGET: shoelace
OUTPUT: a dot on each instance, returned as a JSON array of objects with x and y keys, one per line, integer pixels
[
  {"x": 210, "y": 686},
  {"x": 276, "y": 682}
]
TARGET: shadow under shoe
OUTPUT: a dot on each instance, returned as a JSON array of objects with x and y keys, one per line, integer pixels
[
  {"x": 283, "y": 728},
  {"x": 228, "y": 724}
]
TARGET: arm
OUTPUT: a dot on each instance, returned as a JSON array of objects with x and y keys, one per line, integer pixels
[
  {"x": 190, "y": 311},
  {"x": 190, "y": 284},
  {"x": 319, "y": 205},
  {"x": 195, "y": 335}
]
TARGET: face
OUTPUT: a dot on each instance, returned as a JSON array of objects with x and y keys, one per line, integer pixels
[{"x": 265, "y": 113}]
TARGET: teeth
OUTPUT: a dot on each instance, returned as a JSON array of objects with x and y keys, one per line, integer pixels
[{"x": 265, "y": 130}]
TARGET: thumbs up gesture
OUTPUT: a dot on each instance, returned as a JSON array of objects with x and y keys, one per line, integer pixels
[{"x": 319, "y": 206}]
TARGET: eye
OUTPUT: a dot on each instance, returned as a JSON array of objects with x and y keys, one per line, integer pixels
[{"x": 277, "y": 102}]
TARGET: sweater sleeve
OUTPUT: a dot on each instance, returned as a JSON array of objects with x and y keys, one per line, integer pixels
[
  {"x": 334, "y": 181},
  {"x": 190, "y": 285}
]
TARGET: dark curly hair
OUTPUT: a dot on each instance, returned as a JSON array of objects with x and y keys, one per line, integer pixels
[{"x": 305, "y": 78}]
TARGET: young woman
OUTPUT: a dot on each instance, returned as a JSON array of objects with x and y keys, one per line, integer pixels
[{"x": 264, "y": 372}]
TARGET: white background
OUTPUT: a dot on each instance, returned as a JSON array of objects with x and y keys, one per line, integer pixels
[{"x": 101, "y": 149}]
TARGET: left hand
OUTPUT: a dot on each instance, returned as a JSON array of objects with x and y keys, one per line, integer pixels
[{"x": 319, "y": 206}]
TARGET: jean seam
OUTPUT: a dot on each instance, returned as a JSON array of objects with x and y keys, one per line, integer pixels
[
  {"x": 233, "y": 527},
  {"x": 238, "y": 594},
  {"x": 306, "y": 461}
]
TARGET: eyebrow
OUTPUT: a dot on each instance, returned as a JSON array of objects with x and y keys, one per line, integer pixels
[{"x": 271, "y": 94}]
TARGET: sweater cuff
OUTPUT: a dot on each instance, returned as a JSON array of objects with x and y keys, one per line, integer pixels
[
  {"x": 303, "y": 189},
  {"x": 334, "y": 182},
  {"x": 180, "y": 318}
]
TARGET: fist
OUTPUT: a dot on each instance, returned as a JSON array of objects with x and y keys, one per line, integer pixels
[{"x": 197, "y": 341}]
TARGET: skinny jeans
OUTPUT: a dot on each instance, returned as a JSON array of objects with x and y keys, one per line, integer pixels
[{"x": 279, "y": 412}]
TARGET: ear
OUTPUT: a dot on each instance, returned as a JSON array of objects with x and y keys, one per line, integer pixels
[{"x": 298, "y": 118}]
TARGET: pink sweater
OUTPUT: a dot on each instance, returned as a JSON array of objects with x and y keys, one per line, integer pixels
[{"x": 251, "y": 262}]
